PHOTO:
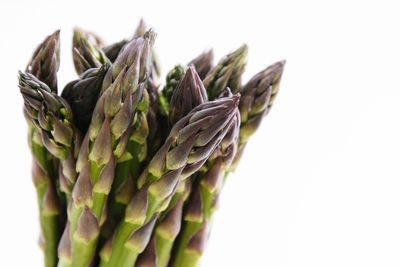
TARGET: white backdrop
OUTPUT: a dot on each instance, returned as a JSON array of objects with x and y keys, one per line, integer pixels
[{"x": 319, "y": 184}]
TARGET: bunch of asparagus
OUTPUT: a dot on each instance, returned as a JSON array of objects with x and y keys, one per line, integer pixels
[{"x": 127, "y": 174}]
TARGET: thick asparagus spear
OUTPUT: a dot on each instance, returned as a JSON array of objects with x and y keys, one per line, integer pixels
[
  {"x": 203, "y": 63},
  {"x": 104, "y": 144},
  {"x": 227, "y": 73},
  {"x": 191, "y": 141},
  {"x": 190, "y": 244},
  {"x": 44, "y": 65},
  {"x": 189, "y": 93}
]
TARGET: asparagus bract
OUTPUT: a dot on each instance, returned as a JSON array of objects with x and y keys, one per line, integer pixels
[{"x": 191, "y": 141}]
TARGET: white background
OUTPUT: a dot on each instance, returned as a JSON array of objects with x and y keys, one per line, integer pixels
[{"x": 319, "y": 184}]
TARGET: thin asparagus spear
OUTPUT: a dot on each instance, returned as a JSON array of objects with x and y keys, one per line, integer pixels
[
  {"x": 155, "y": 64},
  {"x": 45, "y": 61},
  {"x": 227, "y": 73},
  {"x": 203, "y": 63},
  {"x": 49, "y": 207},
  {"x": 255, "y": 103},
  {"x": 172, "y": 80},
  {"x": 104, "y": 144},
  {"x": 44, "y": 65},
  {"x": 258, "y": 96},
  {"x": 52, "y": 117},
  {"x": 191, "y": 141},
  {"x": 86, "y": 51}
]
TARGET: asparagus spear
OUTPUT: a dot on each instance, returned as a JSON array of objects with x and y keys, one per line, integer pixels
[
  {"x": 189, "y": 93},
  {"x": 155, "y": 65},
  {"x": 82, "y": 95},
  {"x": 258, "y": 96},
  {"x": 44, "y": 65},
  {"x": 52, "y": 117},
  {"x": 255, "y": 103},
  {"x": 190, "y": 244},
  {"x": 128, "y": 169},
  {"x": 45, "y": 61},
  {"x": 227, "y": 73},
  {"x": 203, "y": 63},
  {"x": 113, "y": 50},
  {"x": 172, "y": 80},
  {"x": 191, "y": 141},
  {"x": 86, "y": 51},
  {"x": 104, "y": 144}
]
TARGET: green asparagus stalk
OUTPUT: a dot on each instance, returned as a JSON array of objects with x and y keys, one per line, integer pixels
[
  {"x": 157, "y": 252},
  {"x": 52, "y": 117},
  {"x": 196, "y": 219},
  {"x": 49, "y": 207},
  {"x": 191, "y": 141},
  {"x": 203, "y": 63},
  {"x": 44, "y": 65},
  {"x": 227, "y": 73},
  {"x": 82, "y": 95},
  {"x": 258, "y": 96},
  {"x": 104, "y": 144},
  {"x": 189, "y": 93},
  {"x": 86, "y": 51}
]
